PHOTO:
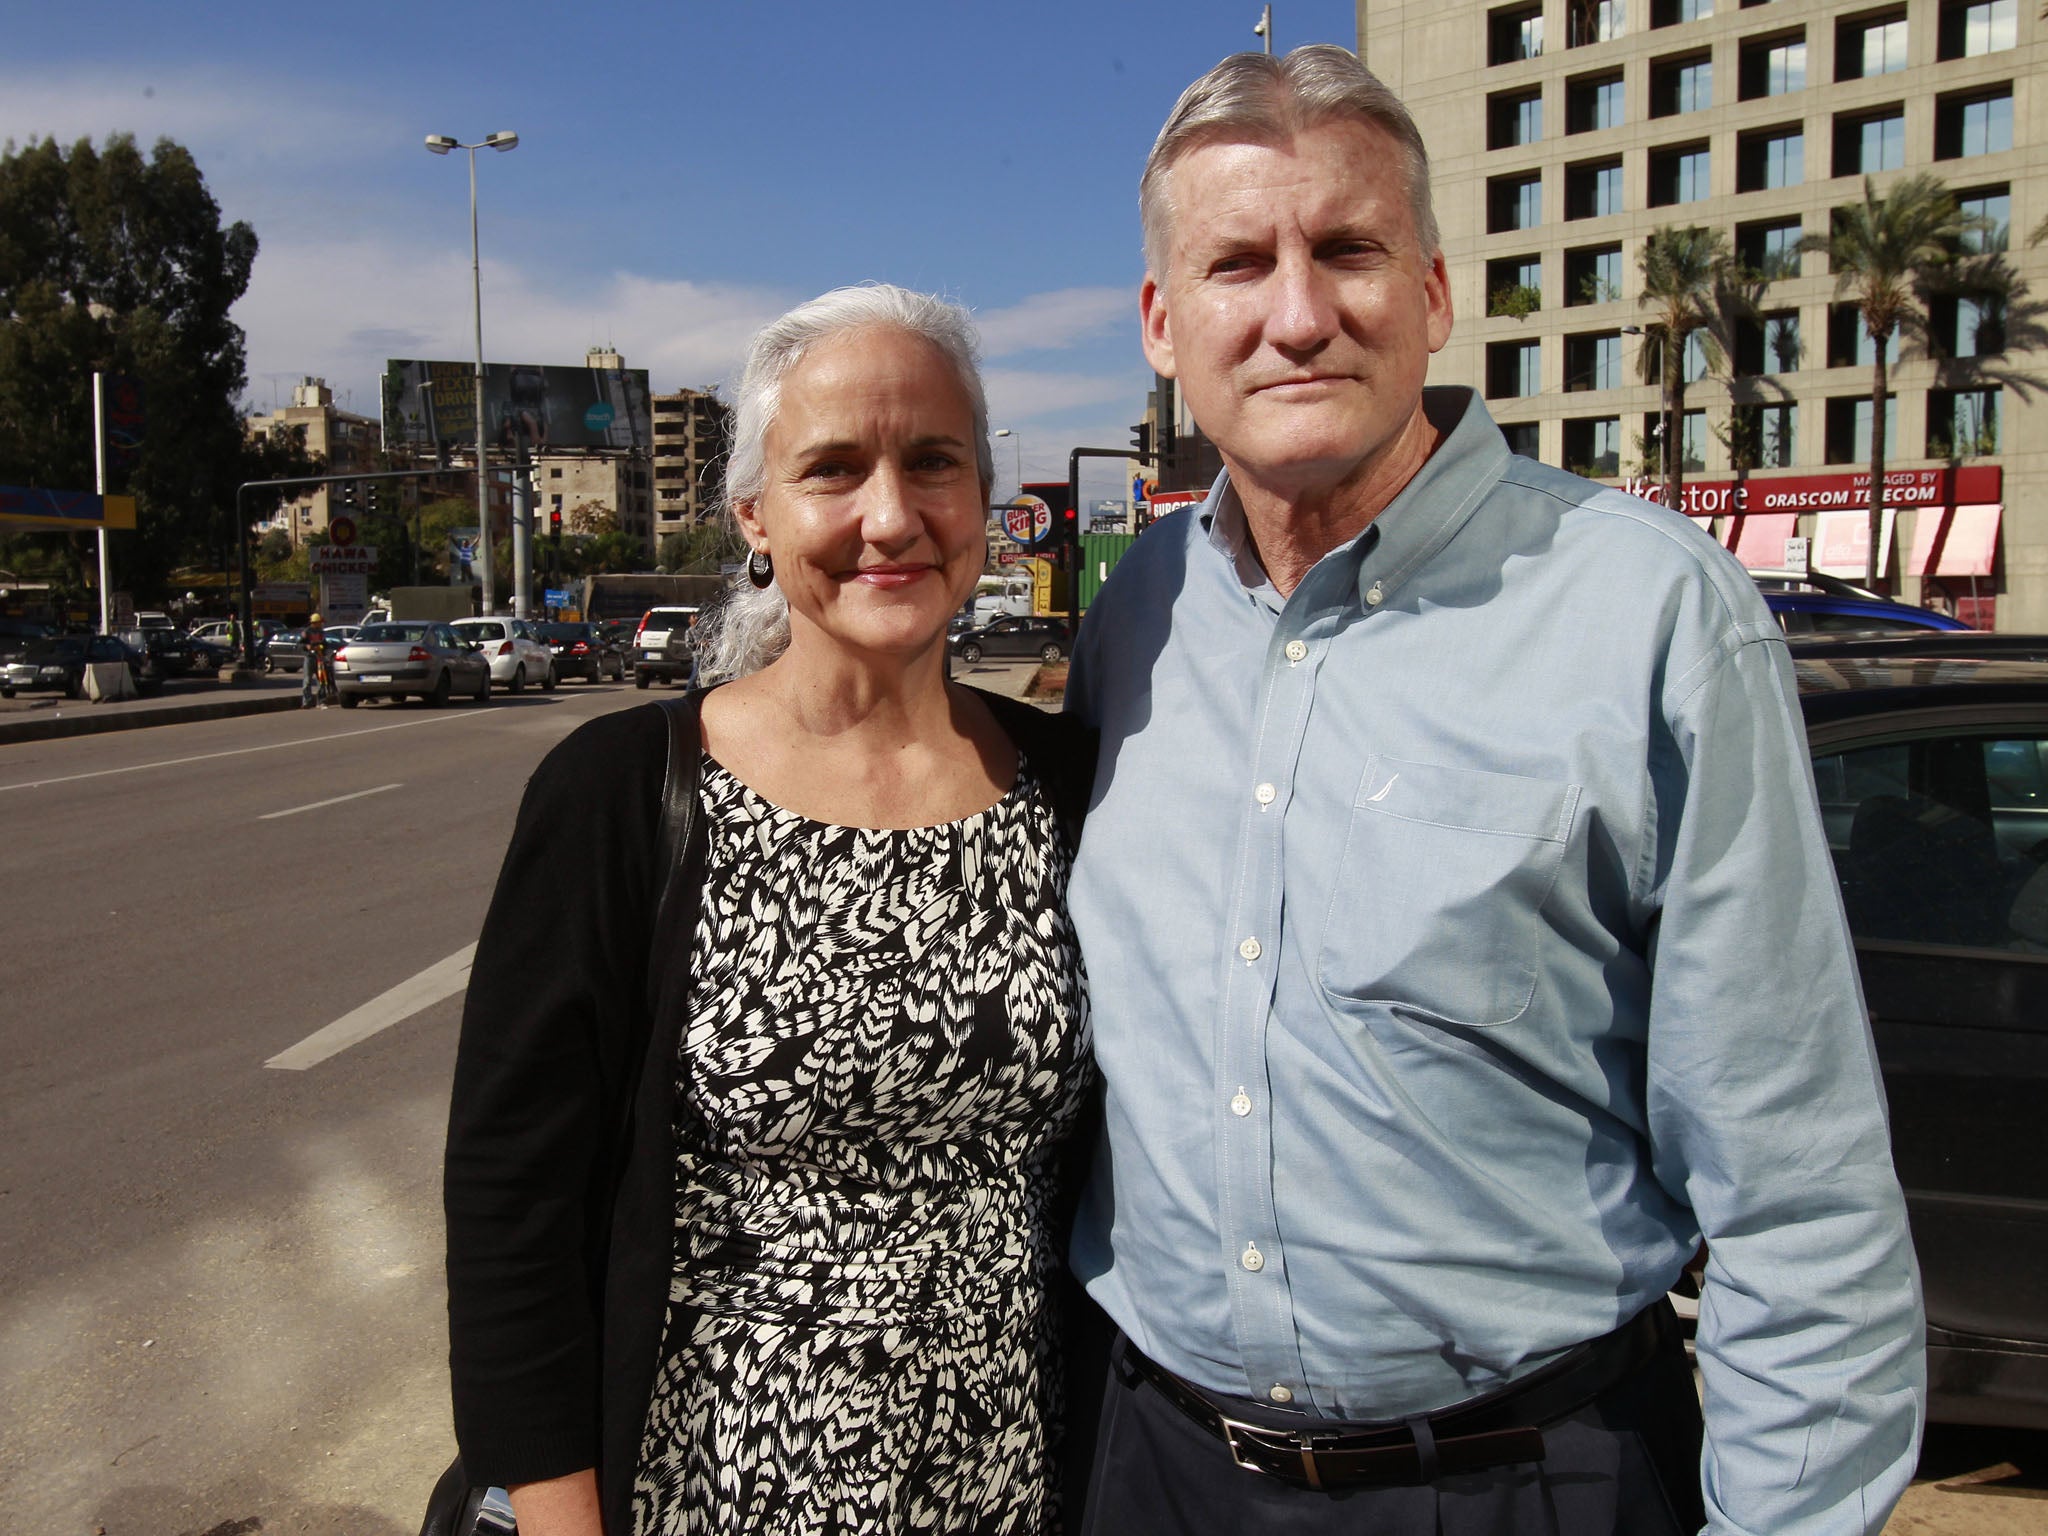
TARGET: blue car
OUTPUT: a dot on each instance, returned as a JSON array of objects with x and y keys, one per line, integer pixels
[{"x": 1844, "y": 612}]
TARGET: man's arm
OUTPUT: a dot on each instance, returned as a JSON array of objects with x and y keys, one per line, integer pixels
[{"x": 1767, "y": 1117}]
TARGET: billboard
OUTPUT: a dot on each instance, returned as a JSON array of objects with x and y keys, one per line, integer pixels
[{"x": 525, "y": 404}]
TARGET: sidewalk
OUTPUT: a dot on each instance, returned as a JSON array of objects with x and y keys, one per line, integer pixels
[{"x": 44, "y": 716}]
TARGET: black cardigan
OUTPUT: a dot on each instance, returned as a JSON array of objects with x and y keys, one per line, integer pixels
[{"x": 559, "y": 1196}]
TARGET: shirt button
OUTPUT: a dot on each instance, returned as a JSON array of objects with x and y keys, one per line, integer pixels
[
  {"x": 1265, "y": 794},
  {"x": 1281, "y": 1395},
  {"x": 1296, "y": 650},
  {"x": 1240, "y": 1104},
  {"x": 1374, "y": 596},
  {"x": 1249, "y": 949},
  {"x": 1251, "y": 1258}
]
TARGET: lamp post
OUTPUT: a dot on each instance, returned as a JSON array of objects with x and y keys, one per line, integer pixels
[
  {"x": 1017, "y": 443},
  {"x": 1264, "y": 29},
  {"x": 1669, "y": 441},
  {"x": 440, "y": 144}
]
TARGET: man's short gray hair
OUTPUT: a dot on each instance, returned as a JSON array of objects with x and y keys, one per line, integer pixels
[
  {"x": 1255, "y": 96},
  {"x": 749, "y": 626}
]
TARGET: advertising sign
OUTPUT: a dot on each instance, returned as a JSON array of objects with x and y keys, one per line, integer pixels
[
  {"x": 1027, "y": 520},
  {"x": 342, "y": 559},
  {"x": 38, "y": 506},
  {"x": 526, "y": 405},
  {"x": 1841, "y": 545},
  {"x": 344, "y": 599},
  {"x": 1940, "y": 487},
  {"x": 462, "y": 556},
  {"x": 278, "y": 598}
]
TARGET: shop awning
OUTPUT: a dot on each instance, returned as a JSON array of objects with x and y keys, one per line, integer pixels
[
  {"x": 1958, "y": 542},
  {"x": 1757, "y": 539}
]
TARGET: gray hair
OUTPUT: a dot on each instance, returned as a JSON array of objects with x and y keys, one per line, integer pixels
[
  {"x": 749, "y": 626},
  {"x": 1259, "y": 97}
]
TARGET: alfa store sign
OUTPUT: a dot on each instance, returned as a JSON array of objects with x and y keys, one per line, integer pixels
[{"x": 1955, "y": 531}]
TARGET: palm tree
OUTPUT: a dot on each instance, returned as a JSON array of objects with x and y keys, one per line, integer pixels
[
  {"x": 1690, "y": 286},
  {"x": 1885, "y": 251}
]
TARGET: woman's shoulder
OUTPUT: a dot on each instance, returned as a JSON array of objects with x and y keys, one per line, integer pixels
[
  {"x": 1060, "y": 747},
  {"x": 612, "y": 755}
]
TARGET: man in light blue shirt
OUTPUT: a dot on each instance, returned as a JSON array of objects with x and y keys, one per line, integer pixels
[{"x": 1463, "y": 941}]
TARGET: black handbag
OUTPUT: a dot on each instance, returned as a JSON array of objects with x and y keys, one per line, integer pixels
[{"x": 456, "y": 1507}]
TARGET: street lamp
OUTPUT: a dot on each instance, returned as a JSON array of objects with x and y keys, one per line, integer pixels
[
  {"x": 1017, "y": 443},
  {"x": 440, "y": 144},
  {"x": 1265, "y": 27}
]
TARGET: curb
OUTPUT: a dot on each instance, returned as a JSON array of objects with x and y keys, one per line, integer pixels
[{"x": 88, "y": 724}]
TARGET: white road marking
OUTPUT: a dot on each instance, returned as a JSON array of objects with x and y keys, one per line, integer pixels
[
  {"x": 177, "y": 762},
  {"x": 318, "y": 804},
  {"x": 442, "y": 979}
]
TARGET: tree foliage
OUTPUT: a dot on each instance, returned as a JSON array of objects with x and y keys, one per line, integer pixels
[
  {"x": 704, "y": 548},
  {"x": 1887, "y": 253},
  {"x": 1692, "y": 286},
  {"x": 120, "y": 263}
]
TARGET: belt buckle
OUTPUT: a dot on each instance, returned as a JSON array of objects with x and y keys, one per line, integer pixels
[
  {"x": 1231, "y": 1430},
  {"x": 1254, "y": 1435}
]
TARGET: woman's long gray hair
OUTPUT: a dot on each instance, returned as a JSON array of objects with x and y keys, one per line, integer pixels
[{"x": 749, "y": 626}]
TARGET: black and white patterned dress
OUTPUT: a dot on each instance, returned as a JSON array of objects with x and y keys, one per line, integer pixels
[{"x": 886, "y": 1043}]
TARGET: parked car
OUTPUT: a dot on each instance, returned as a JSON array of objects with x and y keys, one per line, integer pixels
[
  {"x": 1933, "y": 781},
  {"x": 284, "y": 651},
  {"x": 57, "y": 665},
  {"x": 16, "y": 635},
  {"x": 176, "y": 655},
  {"x": 417, "y": 656},
  {"x": 661, "y": 647},
  {"x": 1922, "y": 644},
  {"x": 581, "y": 651},
  {"x": 1814, "y": 603},
  {"x": 514, "y": 647},
  {"x": 1013, "y": 635}
]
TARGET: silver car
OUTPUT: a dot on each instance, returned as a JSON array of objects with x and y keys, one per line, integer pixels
[{"x": 415, "y": 656}]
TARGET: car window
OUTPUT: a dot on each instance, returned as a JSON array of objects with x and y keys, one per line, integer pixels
[
  {"x": 1847, "y": 623},
  {"x": 1942, "y": 838},
  {"x": 483, "y": 629}
]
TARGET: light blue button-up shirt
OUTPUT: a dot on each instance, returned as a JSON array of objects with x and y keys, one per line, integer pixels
[{"x": 1464, "y": 945}]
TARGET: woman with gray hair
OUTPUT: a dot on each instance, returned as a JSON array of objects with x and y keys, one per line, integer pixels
[{"x": 751, "y": 1177}]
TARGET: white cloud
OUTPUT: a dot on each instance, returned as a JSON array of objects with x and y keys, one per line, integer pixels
[{"x": 1050, "y": 321}]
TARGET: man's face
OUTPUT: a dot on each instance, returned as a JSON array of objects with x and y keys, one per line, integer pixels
[{"x": 1297, "y": 310}]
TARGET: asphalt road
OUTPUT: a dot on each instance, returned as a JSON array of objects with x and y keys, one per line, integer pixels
[{"x": 221, "y": 1305}]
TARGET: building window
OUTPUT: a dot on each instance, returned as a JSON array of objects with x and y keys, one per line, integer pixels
[
  {"x": 1973, "y": 27},
  {"x": 1962, "y": 423},
  {"x": 1593, "y": 102},
  {"x": 1977, "y": 124},
  {"x": 1770, "y": 247},
  {"x": 1681, "y": 85},
  {"x": 1592, "y": 274},
  {"x": 1871, "y": 44},
  {"x": 1993, "y": 207},
  {"x": 1967, "y": 324},
  {"x": 1592, "y": 189},
  {"x": 1514, "y": 117},
  {"x": 1671, "y": 13},
  {"x": 1524, "y": 438},
  {"x": 1514, "y": 32},
  {"x": 1592, "y": 445},
  {"x": 1769, "y": 158},
  {"x": 1848, "y": 428},
  {"x": 1514, "y": 202},
  {"x": 1514, "y": 285},
  {"x": 1593, "y": 21},
  {"x": 1680, "y": 174},
  {"x": 1592, "y": 360},
  {"x": 1867, "y": 142},
  {"x": 1511, "y": 370},
  {"x": 1763, "y": 436},
  {"x": 1849, "y": 343},
  {"x": 1692, "y": 437},
  {"x": 1768, "y": 344},
  {"x": 1772, "y": 66}
]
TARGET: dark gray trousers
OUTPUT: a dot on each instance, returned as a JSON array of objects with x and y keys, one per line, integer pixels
[{"x": 1628, "y": 1464}]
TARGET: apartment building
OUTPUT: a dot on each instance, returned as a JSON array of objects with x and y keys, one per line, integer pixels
[
  {"x": 692, "y": 434},
  {"x": 340, "y": 440},
  {"x": 1563, "y": 133}
]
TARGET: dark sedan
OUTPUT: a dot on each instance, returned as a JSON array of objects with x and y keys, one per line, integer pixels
[
  {"x": 1933, "y": 779},
  {"x": 1013, "y": 634},
  {"x": 582, "y": 651},
  {"x": 58, "y": 666}
]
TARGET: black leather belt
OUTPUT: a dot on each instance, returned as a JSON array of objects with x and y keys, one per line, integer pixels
[{"x": 1499, "y": 1429}]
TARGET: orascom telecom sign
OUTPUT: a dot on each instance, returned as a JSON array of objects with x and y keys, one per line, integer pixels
[{"x": 1943, "y": 487}]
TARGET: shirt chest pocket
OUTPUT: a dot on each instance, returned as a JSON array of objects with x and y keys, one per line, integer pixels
[{"x": 1437, "y": 903}]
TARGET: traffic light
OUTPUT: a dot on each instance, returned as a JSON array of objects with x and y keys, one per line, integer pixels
[
  {"x": 554, "y": 522},
  {"x": 347, "y": 494},
  {"x": 1141, "y": 440}
]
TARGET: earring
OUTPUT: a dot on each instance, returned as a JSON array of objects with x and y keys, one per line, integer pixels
[{"x": 760, "y": 569}]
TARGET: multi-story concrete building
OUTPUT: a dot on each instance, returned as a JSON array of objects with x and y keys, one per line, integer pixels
[
  {"x": 1563, "y": 133},
  {"x": 584, "y": 489},
  {"x": 341, "y": 440},
  {"x": 692, "y": 433}
]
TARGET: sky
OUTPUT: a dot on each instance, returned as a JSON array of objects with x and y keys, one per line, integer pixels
[{"x": 685, "y": 172}]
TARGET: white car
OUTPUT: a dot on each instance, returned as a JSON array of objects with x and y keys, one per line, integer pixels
[{"x": 515, "y": 650}]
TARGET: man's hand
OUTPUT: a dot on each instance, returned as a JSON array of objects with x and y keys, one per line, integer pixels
[{"x": 561, "y": 1506}]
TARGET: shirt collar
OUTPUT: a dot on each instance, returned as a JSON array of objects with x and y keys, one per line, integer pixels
[{"x": 1418, "y": 522}]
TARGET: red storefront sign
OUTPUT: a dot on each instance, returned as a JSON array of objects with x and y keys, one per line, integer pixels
[{"x": 1842, "y": 492}]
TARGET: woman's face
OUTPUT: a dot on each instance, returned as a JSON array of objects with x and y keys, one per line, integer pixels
[{"x": 872, "y": 507}]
